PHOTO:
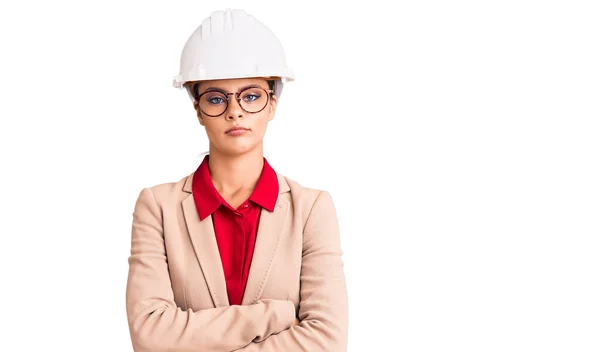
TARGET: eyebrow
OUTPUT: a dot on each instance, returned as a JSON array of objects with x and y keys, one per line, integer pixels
[{"x": 217, "y": 89}]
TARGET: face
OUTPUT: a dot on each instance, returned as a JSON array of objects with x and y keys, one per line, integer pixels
[{"x": 213, "y": 101}]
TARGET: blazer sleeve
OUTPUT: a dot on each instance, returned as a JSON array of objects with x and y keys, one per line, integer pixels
[
  {"x": 323, "y": 311},
  {"x": 155, "y": 321}
]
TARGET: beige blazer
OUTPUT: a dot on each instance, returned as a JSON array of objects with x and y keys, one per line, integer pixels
[{"x": 176, "y": 295}]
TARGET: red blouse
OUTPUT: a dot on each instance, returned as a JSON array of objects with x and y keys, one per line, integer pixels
[{"x": 235, "y": 229}]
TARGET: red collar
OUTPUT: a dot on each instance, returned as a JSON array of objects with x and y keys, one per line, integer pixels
[{"x": 208, "y": 199}]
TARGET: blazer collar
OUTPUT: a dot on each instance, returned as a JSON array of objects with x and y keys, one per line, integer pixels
[{"x": 202, "y": 236}]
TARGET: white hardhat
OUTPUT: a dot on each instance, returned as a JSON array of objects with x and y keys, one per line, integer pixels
[{"x": 232, "y": 44}]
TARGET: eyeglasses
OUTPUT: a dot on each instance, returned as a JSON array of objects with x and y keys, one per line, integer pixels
[{"x": 214, "y": 102}]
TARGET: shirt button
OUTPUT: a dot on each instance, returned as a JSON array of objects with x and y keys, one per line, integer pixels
[{"x": 245, "y": 205}]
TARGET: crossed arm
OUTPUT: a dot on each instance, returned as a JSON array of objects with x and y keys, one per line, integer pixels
[
  {"x": 157, "y": 324},
  {"x": 323, "y": 309}
]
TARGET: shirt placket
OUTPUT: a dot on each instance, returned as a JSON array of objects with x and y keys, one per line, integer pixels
[{"x": 242, "y": 236}]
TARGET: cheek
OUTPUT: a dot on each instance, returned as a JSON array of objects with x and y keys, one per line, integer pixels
[
  {"x": 211, "y": 132},
  {"x": 260, "y": 125},
  {"x": 261, "y": 122}
]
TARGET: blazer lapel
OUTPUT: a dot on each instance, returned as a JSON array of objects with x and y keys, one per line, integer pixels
[
  {"x": 202, "y": 236},
  {"x": 204, "y": 241},
  {"x": 270, "y": 228}
]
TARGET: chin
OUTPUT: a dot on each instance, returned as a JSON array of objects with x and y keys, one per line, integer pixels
[{"x": 238, "y": 148}]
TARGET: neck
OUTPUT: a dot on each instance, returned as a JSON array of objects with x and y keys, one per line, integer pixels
[{"x": 234, "y": 173}]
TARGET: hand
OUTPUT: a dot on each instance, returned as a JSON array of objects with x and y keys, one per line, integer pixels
[{"x": 296, "y": 322}]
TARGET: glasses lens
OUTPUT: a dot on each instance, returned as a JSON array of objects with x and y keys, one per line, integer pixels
[
  {"x": 213, "y": 103},
  {"x": 253, "y": 99}
]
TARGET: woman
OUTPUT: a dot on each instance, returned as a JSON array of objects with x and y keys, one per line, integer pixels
[{"x": 235, "y": 256}]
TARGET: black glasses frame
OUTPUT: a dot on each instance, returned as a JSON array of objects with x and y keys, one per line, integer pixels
[{"x": 268, "y": 92}]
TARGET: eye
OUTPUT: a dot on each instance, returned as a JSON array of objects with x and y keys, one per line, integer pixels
[
  {"x": 216, "y": 100},
  {"x": 251, "y": 97}
]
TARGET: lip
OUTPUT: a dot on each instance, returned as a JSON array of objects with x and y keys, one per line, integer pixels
[{"x": 236, "y": 131}]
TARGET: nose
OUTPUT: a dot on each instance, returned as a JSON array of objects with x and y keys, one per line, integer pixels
[{"x": 233, "y": 108}]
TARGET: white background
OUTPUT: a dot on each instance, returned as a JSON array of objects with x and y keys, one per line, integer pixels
[{"x": 459, "y": 140}]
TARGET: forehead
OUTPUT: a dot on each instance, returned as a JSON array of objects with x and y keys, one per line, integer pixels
[{"x": 232, "y": 85}]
